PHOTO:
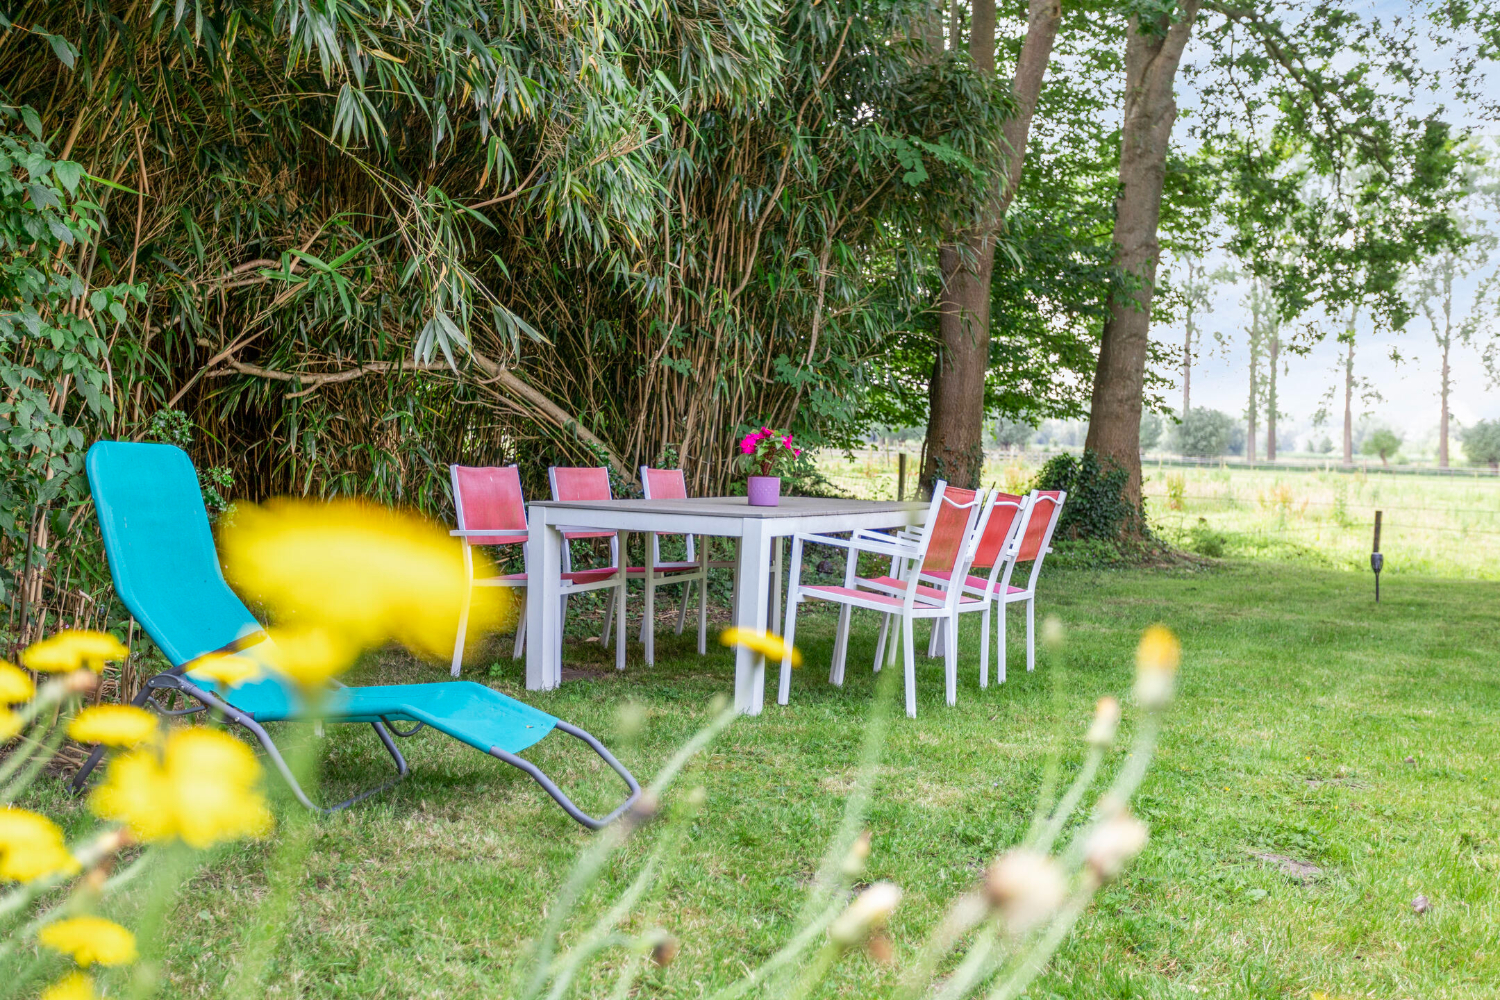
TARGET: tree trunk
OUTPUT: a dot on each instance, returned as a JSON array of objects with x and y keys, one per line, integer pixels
[
  {"x": 954, "y": 446},
  {"x": 1349, "y": 388},
  {"x": 1446, "y": 341},
  {"x": 1273, "y": 351},
  {"x": 1187, "y": 364},
  {"x": 1151, "y": 61},
  {"x": 1252, "y": 410}
]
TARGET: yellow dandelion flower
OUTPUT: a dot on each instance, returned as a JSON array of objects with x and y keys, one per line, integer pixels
[
  {"x": 203, "y": 788},
  {"x": 364, "y": 572},
  {"x": 113, "y": 725},
  {"x": 309, "y": 656},
  {"x": 1156, "y": 661},
  {"x": 87, "y": 940},
  {"x": 32, "y": 847},
  {"x": 227, "y": 670},
  {"x": 772, "y": 647},
  {"x": 15, "y": 684},
  {"x": 71, "y": 649},
  {"x": 73, "y": 986},
  {"x": 10, "y": 724}
]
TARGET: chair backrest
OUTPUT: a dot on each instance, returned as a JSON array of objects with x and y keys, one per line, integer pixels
[
  {"x": 999, "y": 529},
  {"x": 663, "y": 484},
  {"x": 164, "y": 565},
  {"x": 949, "y": 522},
  {"x": 489, "y": 498},
  {"x": 1046, "y": 505},
  {"x": 161, "y": 551},
  {"x": 580, "y": 483}
]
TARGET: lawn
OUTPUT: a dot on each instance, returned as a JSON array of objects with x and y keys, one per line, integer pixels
[{"x": 1328, "y": 761}]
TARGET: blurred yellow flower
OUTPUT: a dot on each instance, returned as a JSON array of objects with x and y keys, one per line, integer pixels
[
  {"x": 202, "y": 787},
  {"x": 73, "y": 986},
  {"x": 15, "y": 684},
  {"x": 227, "y": 670},
  {"x": 309, "y": 656},
  {"x": 772, "y": 647},
  {"x": 113, "y": 725},
  {"x": 364, "y": 572},
  {"x": 32, "y": 847},
  {"x": 1158, "y": 650},
  {"x": 71, "y": 649},
  {"x": 10, "y": 724},
  {"x": 87, "y": 940},
  {"x": 1156, "y": 661}
]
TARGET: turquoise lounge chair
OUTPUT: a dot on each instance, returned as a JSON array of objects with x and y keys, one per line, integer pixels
[{"x": 166, "y": 571}]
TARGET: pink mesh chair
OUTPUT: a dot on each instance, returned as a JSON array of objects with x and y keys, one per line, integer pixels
[
  {"x": 491, "y": 510},
  {"x": 1033, "y": 543},
  {"x": 946, "y": 545},
  {"x": 994, "y": 550},
  {"x": 587, "y": 483},
  {"x": 670, "y": 484}
]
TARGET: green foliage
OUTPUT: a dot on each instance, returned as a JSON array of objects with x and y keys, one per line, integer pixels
[
  {"x": 1151, "y": 429},
  {"x": 55, "y": 334},
  {"x": 1206, "y": 541},
  {"x": 1204, "y": 433},
  {"x": 1010, "y": 433},
  {"x": 175, "y": 427},
  {"x": 1097, "y": 507},
  {"x": 1383, "y": 442},
  {"x": 1482, "y": 443}
]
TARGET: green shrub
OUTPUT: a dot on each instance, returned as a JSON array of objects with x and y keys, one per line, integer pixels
[
  {"x": 1206, "y": 541},
  {"x": 1096, "y": 507},
  {"x": 1482, "y": 443},
  {"x": 1204, "y": 433}
]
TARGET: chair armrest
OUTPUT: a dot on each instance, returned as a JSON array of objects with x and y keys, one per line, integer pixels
[
  {"x": 488, "y": 533},
  {"x": 892, "y": 547}
]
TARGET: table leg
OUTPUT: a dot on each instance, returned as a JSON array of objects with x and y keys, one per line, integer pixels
[
  {"x": 648, "y": 620},
  {"x": 544, "y": 583},
  {"x": 750, "y": 613}
]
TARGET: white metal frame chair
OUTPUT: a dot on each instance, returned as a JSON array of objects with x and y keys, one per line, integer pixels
[
  {"x": 495, "y": 514},
  {"x": 946, "y": 544},
  {"x": 994, "y": 545},
  {"x": 671, "y": 484}
]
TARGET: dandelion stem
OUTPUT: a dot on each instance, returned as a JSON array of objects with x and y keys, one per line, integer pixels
[{"x": 1070, "y": 800}]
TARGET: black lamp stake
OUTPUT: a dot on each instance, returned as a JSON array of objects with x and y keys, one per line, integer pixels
[{"x": 1377, "y": 561}]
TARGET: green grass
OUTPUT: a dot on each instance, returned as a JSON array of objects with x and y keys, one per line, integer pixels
[{"x": 1311, "y": 725}]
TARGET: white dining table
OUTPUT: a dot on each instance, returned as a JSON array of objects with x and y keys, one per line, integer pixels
[{"x": 758, "y": 529}]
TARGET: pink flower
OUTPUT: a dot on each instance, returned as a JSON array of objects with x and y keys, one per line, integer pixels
[
  {"x": 797, "y": 452},
  {"x": 786, "y": 442},
  {"x": 747, "y": 446}
]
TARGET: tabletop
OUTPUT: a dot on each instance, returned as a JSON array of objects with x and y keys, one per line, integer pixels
[{"x": 739, "y": 507}]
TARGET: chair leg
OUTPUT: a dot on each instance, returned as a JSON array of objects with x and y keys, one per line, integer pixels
[
  {"x": 1030, "y": 634},
  {"x": 463, "y": 627},
  {"x": 984, "y": 648},
  {"x": 520, "y": 629},
  {"x": 609, "y": 618},
  {"x": 789, "y": 635},
  {"x": 933, "y": 636},
  {"x": 950, "y": 658},
  {"x": 1000, "y": 614},
  {"x": 687, "y": 598},
  {"x": 911, "y": 667},
  {"x": 840, "y": 648},
  {"x": 885, "y": 631}
]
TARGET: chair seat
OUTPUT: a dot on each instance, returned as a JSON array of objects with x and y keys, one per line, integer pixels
[
  {"x": 895, "y": 586},
  {"x": 977, "y": 582},
  {"x": 845, "y": 595}
]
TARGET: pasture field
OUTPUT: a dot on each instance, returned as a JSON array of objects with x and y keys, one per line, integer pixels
[{"x": 1432, "y": 525}]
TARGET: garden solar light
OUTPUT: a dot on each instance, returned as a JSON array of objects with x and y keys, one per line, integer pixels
[{"x": 1377, "y": 561}]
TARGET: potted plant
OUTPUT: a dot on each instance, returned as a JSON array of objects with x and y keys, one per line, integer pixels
[{"x": 762, "y": 454}]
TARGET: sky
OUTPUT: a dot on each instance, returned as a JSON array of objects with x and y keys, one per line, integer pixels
[{"x": 1409, "y": 388}]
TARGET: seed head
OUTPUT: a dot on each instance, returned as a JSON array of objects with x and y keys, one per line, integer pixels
[
  {"x": 1106, "y": 721},
  {"x": 1111, "y": 846},
  {"x": 1026, "y": 888},
  {"x": 869, "y": 911}
]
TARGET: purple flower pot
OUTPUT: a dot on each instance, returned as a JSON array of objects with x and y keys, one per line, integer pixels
[{"x": 764, "y": 491}]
